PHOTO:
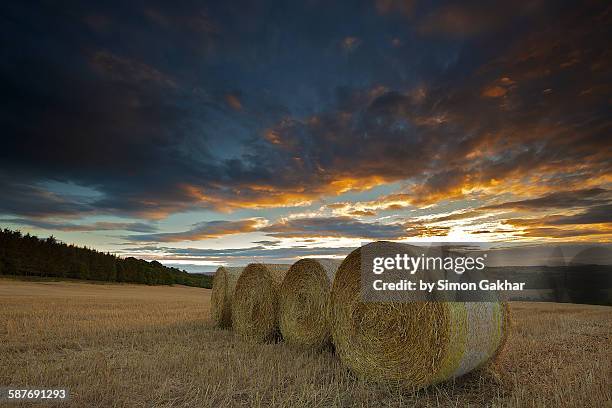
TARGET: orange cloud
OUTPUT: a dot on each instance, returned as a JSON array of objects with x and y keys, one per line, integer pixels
[
  {"x": 581, "y": 233},
  {"x": 257, "y": 196},
  {"x": 494, "y": 91},
  {"x": 233, "y": 101},
  {"x": 362, "y": 213}
]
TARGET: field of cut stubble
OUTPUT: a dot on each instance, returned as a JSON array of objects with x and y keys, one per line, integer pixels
[{"x": 140, "y": 346}]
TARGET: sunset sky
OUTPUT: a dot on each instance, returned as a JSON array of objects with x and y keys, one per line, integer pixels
[{"x": 200, "y": 133}]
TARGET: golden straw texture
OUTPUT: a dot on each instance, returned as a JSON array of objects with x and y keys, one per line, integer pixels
[
  {"x": 413, "y": 344},
  {"x": 255, "y": 303},
  {"x": 224, "y": 283},
  {"x": 304, "y": 303}
]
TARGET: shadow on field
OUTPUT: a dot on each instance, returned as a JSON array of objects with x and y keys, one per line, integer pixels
[{"x": 275, "y": 364}]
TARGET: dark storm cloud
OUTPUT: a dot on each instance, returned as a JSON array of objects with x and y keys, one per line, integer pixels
[
  {"x": 86, "y": 109},
  {"x": 35, "y": 201},
  {"x": 515, "y": 115},
  {"x": 162, "y": 109}
]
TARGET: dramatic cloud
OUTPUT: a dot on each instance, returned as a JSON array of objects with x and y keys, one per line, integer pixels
[
  {"x": 205, "y": 230},
  {"x": 308, "y": 227},
  {"x": 559, "y": 200},
  {"x": 35, "y": 201},
  {"x": 601, "y": 214},
  {"x": 348, "y": 227},
  {"x": 335, "y": 227},
  {"x": 145, "y": 111},
  {"x": 586, "y": 207}
]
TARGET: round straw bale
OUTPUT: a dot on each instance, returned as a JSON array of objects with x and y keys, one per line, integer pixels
[
  {"x": 255, "y": 303},
  {"x": 224, "y": 283},
  {"x": 304, "y": 303},
  {"x": 412, "y": 344}
]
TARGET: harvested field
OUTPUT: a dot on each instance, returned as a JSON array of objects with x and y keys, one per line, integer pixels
[{"x": 137, "y": 346}]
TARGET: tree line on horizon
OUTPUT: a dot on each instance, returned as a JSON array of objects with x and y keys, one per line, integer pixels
[{"x": 28, "y": 255}]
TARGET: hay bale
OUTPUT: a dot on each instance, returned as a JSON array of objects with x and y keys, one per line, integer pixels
[
  {"x": 224, "y": 283},
  {"x": 304, "y": 303},
  {"x": 412, "y": 344},
  {"x": 255, "y": 303}
]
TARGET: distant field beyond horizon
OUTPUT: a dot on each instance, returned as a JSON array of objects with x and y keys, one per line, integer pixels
[{"x": 137, "y": 346}]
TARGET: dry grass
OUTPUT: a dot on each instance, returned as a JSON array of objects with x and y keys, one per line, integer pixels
[{"x": 137, "y": 346}]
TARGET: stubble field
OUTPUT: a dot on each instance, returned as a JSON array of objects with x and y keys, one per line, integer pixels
[{"x": 139, "y": 346}]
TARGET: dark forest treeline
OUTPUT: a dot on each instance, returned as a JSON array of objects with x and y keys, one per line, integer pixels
[{"x": 29, "y": 255}]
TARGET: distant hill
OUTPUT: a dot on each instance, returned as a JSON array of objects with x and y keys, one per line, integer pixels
[{"x": 28, "y": 255}]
